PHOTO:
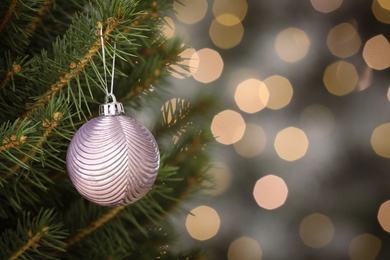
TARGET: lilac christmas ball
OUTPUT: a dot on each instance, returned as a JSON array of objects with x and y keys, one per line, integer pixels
[{"x": 113, "y": 160}]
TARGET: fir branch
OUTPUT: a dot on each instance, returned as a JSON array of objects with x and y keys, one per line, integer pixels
[
  {"x": 33, "y": 25},
  {"x": 8, "y": 14},
  {"x": 10, "y": 74},
  {"x": 94, "y": 226},
  {"x": 50, "y": 125},
  {"x": 33, "y": 241},
  {"x": 75, "y": 69},
  {"x": 13, "y": 142}
]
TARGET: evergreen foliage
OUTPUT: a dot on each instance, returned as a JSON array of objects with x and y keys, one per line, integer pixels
[{"x": 50, "y": 84}]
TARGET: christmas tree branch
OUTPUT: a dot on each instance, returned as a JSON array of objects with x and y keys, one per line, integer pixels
[
  {"x": 33, "y": 25},
  {"x": 12, "y": 142},
  {"x": 50, "y": 125},
  {"x": 75, "y": 69},
  {"x": 94, "y": 226},
  {"x": 32, "y": 242},
  {"x": 8, "y": 14},
  {"x": 10, "y": 74}
]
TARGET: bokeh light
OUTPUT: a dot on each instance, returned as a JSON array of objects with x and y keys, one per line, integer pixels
[
  {"x": 317, "y": 120},
  {"x": 316, "y": 230},
  {"x": 210, "y": 66},
  {"x": 221, "y": 179},
  {"x": 381, "y": 10},
  {"x": 190, "y": 12},
  {"x": 203, "y": 223},
  {"x": 228, "y": 127},
  {"x": 291, "y": 144},
  {"x": 251, "y": 95},
  {"x": 383, "y": 216},
  {"x": 388, "y": 94},
  {"x": 343, "y": 40},
  {"x": 253, "y": 142},
  {"x": 228, "y": 34},
  {"x": 292, "y": 44},
  {"x": 280, "y": 91},
  {"x": 270, "y": 192},
  {"x": 244, "y": 248},
  {"x": 326, "y": 6},
  {"x": 168, "y": 27},
  {"x": 341, "y": 78},
  {"x": 188, "y": 64},
  {"x": 364, "y": 247},
  {"x": 376, "y": 52},
  {"x": 380, "y": 140},
  {"x": 237, "y": 8}
]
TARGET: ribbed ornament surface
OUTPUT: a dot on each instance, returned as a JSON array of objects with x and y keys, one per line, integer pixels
[{"x": 113, "y": 160}]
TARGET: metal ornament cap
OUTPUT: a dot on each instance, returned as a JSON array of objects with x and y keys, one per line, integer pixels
[{"x": 113, "y": 160}]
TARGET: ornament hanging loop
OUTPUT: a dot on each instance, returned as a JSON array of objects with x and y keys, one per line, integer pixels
[{"x": 112, "y": 108}]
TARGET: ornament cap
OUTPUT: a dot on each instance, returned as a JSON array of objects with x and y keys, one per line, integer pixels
[{"x": 113, "y": 108}]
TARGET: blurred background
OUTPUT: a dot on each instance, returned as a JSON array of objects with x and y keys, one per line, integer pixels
[{"x": 302, "y": 153}]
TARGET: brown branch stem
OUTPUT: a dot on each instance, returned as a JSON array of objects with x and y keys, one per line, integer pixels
[
  {"x": 8, "y": 14},
  {"x": 33, "y": 241},
  {"x": 94, "y": 226}
]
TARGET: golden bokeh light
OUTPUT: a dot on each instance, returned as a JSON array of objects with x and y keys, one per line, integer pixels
[
  {"x": 340, "y": 78},
  {"x": 228, "y": 19},
  {"x": 228, "y": 127},
  {"x": 244, "y": 248},
  {"x": 326, "y": 6},
  {"x": 388, "y": 94},
  {"x": 385, "y": 4},
  {"x": 210, "y": 66},
  {"x": 168, "y": 27},
  {"x": 253, "y": 142},
  {"x": 316, "y": 230},
  {"x": 317, "y": 120},
  {"x": 280, "y": 91},
  {"x": 187, "y": 66},
  {"x": 226, "y": 36},
  {"x": 380, "y": 140},
  {"x": 221, "y": 179},
  {"x": 190, "y": 12},
  {"x": 381, "y": 10},
  {"x": 364, "y": 247},
  {"x": 251, "y": 96},
  {"x": 270, "y": 192},
  {"x": 383, "y": 216},
  {"x": 203, "y": 223},
  {"x": 376, "y": 52},
  {"x": 343, "y": 40},
  {"x": 292, "y": 44},
  {"x": 237, "y": 8},
  {"x": 291, "y": 144}
]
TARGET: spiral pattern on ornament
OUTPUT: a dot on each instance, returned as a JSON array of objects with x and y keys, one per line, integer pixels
[{"x": 113, "y": 160}]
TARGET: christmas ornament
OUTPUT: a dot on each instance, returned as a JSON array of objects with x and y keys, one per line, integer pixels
[{"x": 113, "y": 159}]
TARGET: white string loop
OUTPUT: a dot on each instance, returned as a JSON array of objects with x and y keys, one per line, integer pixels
[{"x": 111, "y": 93}]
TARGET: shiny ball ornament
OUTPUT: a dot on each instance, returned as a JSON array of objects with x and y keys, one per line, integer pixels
[{"x": 113, "y": 159}]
